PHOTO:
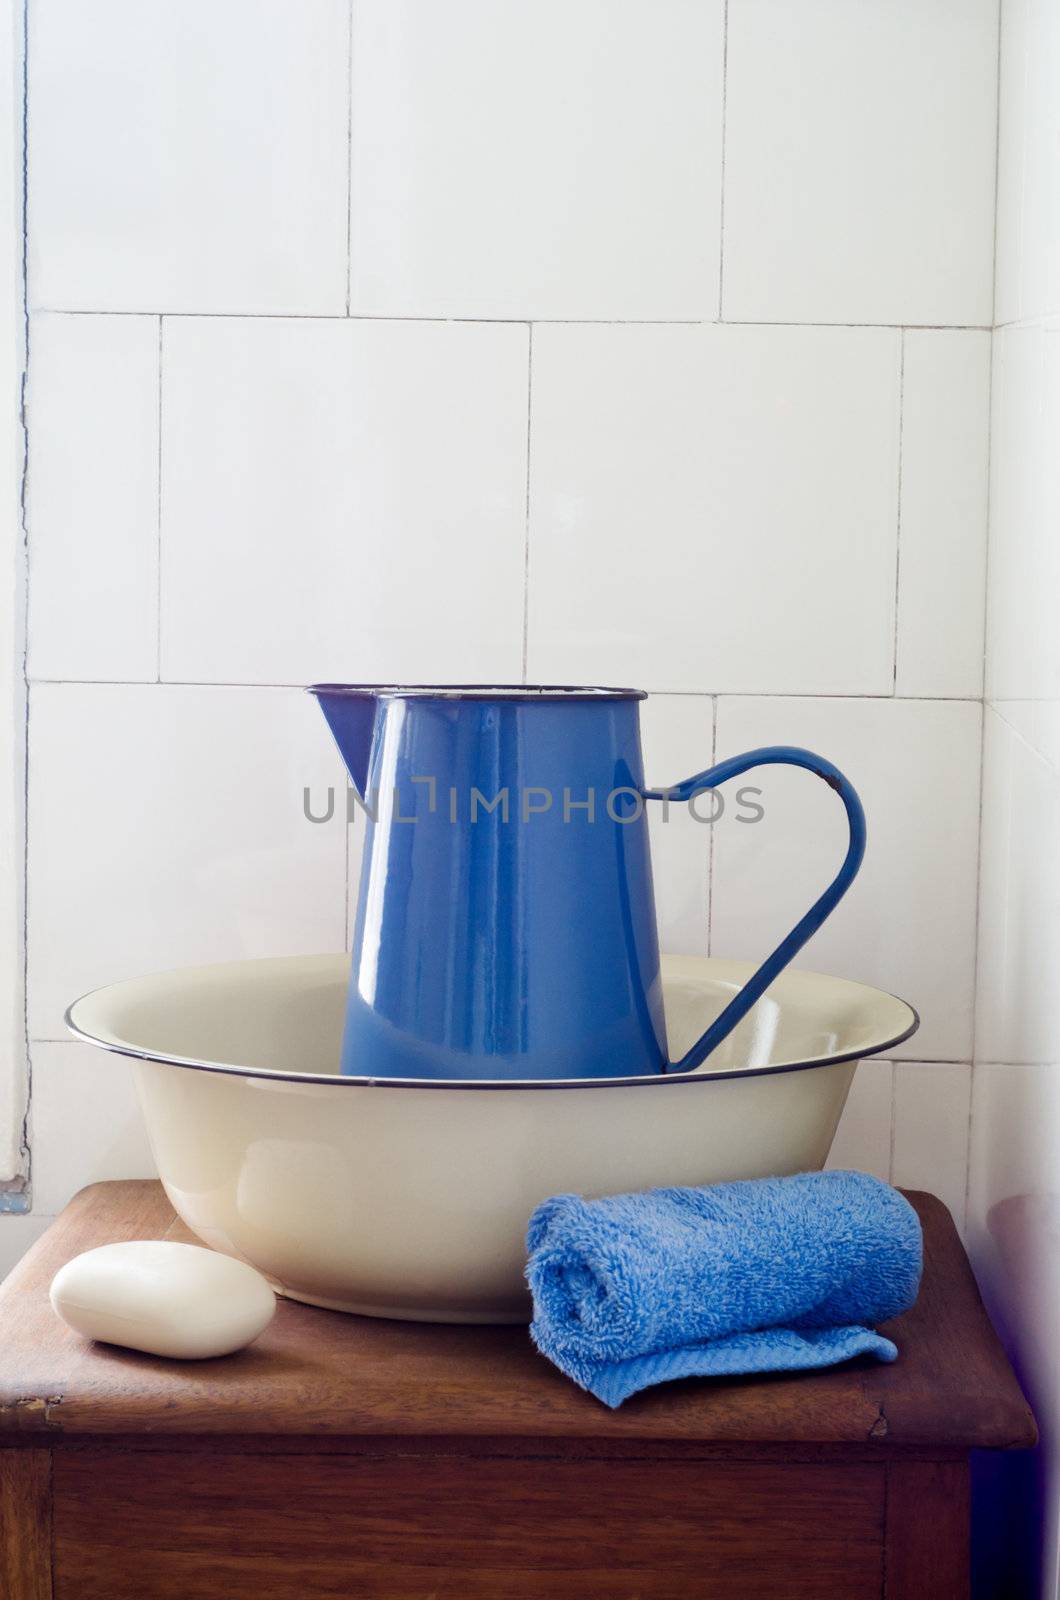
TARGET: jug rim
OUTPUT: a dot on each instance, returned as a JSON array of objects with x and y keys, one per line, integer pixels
[{"x": 478, "y": 691}]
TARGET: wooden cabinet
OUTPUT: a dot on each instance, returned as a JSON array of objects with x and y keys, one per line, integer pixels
[{"x": 345, "y": 1457}]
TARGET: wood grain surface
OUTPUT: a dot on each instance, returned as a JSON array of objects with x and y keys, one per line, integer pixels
[
  {"x": 324, "y": 1374},
  {"x": 927, "y": 1549},
  {"x": 25, "y": 1524},
  {"x": 417, "y": 1527}
]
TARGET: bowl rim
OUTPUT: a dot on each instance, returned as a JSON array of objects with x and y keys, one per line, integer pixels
[{"x": 117, "y": 1046}]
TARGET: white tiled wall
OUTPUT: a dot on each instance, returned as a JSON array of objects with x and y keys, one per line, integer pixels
[
  {"x": 1028, "y": 218},
  {"x": 1014, "y": 1190},
  {"x": 188, "y": 157},
  {"x": 166, "y": 828},
  {"x": 342, "y": 500},
  {"x": 94, "y": 498},
  {"x": 710, "y": 415},
  {"x": 544, "y": 160},
  {"x": 910, "y": 917},
  {"x": 942, "y": 511},
  {"x": 907, "y": 1122},
  {"x": 75, "y": 1090},
  {"x": 858, "y": 152},
  {"x": 762, "y": 463}
]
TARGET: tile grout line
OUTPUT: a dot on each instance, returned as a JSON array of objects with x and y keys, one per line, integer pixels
[
  {"x": 754, "y": 695},
  {"x": 25, "y": 1135},
  {"x": 817, "y": 694},
  {"x": 673, "y": 694},
  {"x": 721, "y": 201},
  {"x": 1040, "y": 321},
  {"x": 158, "y": 521},
  {"x": 997, "y": 175},
  {"x": 994, "y": 708},
  {"x": 898, "y": 508},
  {"x": 349, "y": 150},
  {"x": 1021, "y": 213},
  {"x": 526, "y": 507},
  {"x": 507, "y": 322},
  {"x": 983, "y": 708},
  {"x": 976, "y": 965}
]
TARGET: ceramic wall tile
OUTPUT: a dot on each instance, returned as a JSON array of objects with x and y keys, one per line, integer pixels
[
  {"x": 1040, "y": 219},
  {"x": 86, "y": 1123},
  {"x": 942, "y": 529},
  {"x": 908, "y": 923},
  {"x": 166, "y": 829},
  {"x": 1028, "y": 216},
  {"x": 863, "y": 1138},
  {"x": 188, "y": 157},
  {"x": 343, "y": 500},
  {"x": 1013, "y": 1206},
  {"x": 92, "y": 497},
  {"x": 1023, "y": 643},
  {"x": 17, "y": 1233},
  {"x": 714, "y": 508},
  {"x": 677, "y": 733},
  {"x": 859, "y": 161},
  {"x": 932, "y": 1105},
  {"x": 1012, "y": 136},
  {"x": 536, "y": 161},
  {"x": 1022, "y": 558},
  {"x": 1018, "y": 1004}
]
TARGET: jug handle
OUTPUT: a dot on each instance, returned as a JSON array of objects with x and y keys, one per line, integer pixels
[{"x": 773, "y": 755}]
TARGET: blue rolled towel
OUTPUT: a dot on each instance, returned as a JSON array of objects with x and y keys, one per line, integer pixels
[{"x": 764, "y": 1275}]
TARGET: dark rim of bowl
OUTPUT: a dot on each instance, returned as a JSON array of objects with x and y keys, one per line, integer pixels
[{"x": 509, "y": 1085}]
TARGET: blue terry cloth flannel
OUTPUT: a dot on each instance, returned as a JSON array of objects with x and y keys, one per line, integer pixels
[{"x": 765, "y": 1275}]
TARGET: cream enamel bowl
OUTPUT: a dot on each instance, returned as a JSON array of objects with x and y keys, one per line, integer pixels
[{"x": 410, "y": 1199}]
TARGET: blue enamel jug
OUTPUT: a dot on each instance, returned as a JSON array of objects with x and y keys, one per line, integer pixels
[{"x": 506, "y": 921}]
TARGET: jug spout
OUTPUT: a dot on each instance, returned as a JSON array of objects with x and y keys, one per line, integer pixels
[{"x": 349, "y": 711}]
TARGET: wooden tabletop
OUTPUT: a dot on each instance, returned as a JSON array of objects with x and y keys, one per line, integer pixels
[{"x": 323, "y": 1374}]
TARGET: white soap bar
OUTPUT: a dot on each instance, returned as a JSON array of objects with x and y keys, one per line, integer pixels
[{"x": 165, "y": 1298}]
